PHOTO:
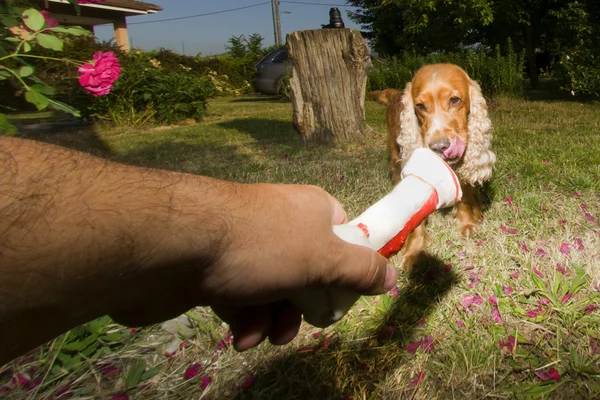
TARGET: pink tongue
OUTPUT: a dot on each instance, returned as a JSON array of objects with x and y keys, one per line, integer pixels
[{"x": 456, "y": 149}]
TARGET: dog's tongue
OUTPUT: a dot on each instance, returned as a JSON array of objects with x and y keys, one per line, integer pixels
[{"x": 456, "y": 149}]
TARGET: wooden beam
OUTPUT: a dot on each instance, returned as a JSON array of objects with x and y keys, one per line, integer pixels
[
  {"x": 65, "y": 19},
  {"x": 121, "y": 34}
]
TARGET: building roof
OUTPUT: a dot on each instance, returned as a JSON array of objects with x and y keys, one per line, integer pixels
[{"x": 132, "y": 4}]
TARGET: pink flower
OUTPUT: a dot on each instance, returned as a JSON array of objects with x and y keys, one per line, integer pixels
[
  {"x": 109, "y": 370},
  {"x": 192, "y": 371},
  {"x": 460, "y": 323},
  {"x": 420, "y": 377},
  {"x": 548, "y": 376},
  {"x": 537, "y": 271},
  {"x": 515, "y": 275},
  {"x": 541, "y": 253},
  {"x": 590, "y": 308},
  {"x": 509, "y": 343},
  {"x": 507, "y": 290},
  {"x": 579, "y": 244},
  {"x": 562, "y": 222},
  {"x": 248, "y": 382},
  {"x": 566, "y": 298},
  {"x": 524, "y": 247},
  {"x": 508, "y": 201},
  {"x": 565, "y": 248},
  {"x": 99, "y": 76},
  {"x": 205, "y": 380},
  {"x": 561, "y": 269}
]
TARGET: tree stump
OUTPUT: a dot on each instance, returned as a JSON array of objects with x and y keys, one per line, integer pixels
[{"x": 328, "y": 83}]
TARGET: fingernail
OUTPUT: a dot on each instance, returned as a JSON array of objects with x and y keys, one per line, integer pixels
[{"x": 391, "y": 278}]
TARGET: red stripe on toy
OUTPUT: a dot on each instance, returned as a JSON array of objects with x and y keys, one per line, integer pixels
[
  {"x": 394, "y": 245},
  {"x": 363, "y": 228}
]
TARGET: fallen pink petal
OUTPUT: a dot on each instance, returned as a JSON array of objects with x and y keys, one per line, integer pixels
[
  {"x": 316, "y": 335},
  {"x": 427, "y": 344},
  {"x": 509, "y": 343},
  {"x": 560, "y": 269},
  {"x": 589, "y": 217},
  {"x": 503, "y": 228},
  {"x": 480, "y": 242},
  {"x": 448, "y": 267},
  {"x": 565, "y": 248},
  {"x": 225, "y": 343},
  {"x": 471, "y": 299},
  {"x": 590, "y": 308},
  {"x": 508, "y": 201},
  {"x": 110, "y": 370},
  {"x": 593, "y": 346},
  {"x": 524, "y": 247},
  {"x": 462, "y": 254},
  {"x": 496, "y": 315},
  {"x": 473, "y": 280},
  {"x": 543, "y": 301},
  {"x": 576, "y": 194},
  {"x": 249, "y": 382},
  {"x": 468, "y": 267},
  {"x": 205, "y": 380},
  {"x": 562, "y": 222},
  {"x": 413, "y": 346},
  {"x": 493, "y": 300},
  {"x": 537, "y": 271},
  {"x": 507, "y": 290},
  {"x": 546, "y": 187},
  {"x": 583, "y": 207},
  {"x": 448, "y": 243},
  {"x": 566, "y": 298},
  {"x": 419, "y": 378},
  {"x": 513, "y": 231},
  {"x": 544, "y": 208},
  {"x": 515, "y": 275},
  {"x": 394, "y": 292},
  {"x": 421, "y": 321},
  {"x": 551, "y": 375},
  {"x": 386, "y": 333},
  {"x": 460, "y": 323},
  {"x": 545, "y": 161},
  {"x": 541, "y": 253},
  {"x": 192, "y": 371},
  {"x": 120, "y": 396},
  {"x": 579, "y": 244}
]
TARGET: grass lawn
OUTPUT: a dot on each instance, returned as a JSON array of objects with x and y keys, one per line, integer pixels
[{"x": 511, "y": 313}]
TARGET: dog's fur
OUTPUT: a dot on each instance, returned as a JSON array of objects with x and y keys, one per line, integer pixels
[{"x": 440, "y": 103}]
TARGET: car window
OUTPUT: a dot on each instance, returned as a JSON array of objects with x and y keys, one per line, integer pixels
[{"x": 281, "y": 57}]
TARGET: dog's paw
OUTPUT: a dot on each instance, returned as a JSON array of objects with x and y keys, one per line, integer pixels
[{"x": 468, "y": 229}]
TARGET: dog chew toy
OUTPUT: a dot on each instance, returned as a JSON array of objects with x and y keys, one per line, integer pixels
[{"x": 427, "y": 184}]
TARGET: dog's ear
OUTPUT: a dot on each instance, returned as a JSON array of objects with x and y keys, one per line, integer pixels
[
  {"x": 410, "y": 137},
  {"x": 478, "y": 160}
]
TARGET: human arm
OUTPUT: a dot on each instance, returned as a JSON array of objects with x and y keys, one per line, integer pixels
[{"x": 82, "y": 237}]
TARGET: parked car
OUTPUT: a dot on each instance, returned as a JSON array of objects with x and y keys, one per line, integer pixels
[{"x": 270, "y": 72}]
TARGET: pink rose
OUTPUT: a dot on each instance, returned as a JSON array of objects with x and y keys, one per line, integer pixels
[{"x": 98, "y": 76}]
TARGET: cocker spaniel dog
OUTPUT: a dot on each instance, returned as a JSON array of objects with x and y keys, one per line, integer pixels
[{"x": 443, "y": 109}]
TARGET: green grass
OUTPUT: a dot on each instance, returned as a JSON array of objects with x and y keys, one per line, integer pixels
[{"x": 548, "y": 164}]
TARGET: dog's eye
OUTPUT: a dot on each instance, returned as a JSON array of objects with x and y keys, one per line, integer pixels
[
  {"x": 421, "y": 107},
  {"x": 454, "y": 100}
]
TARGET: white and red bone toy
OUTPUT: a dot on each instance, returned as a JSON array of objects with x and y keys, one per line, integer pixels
[{"x": 428, "y": 184}]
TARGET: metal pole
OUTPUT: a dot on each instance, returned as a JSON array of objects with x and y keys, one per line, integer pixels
[
  {"x": 183, "y": 47},
  {"x": 278, "y": 23},
  {"x": 275, "y": 32}
]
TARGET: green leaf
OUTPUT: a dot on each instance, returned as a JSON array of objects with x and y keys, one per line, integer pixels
[
  {"x": 112, "y": 337},
  {"x": 150, "y": 373},
  {"x": 25, "y": 71},
  {"x": 134, "y": 376},
  {"x": 4, "y": 74},
  {"x": 49, "y": 41},
  {"x": 9, "y": 21},
  {"x": 80, "y": 345},
  {"x": 6, "y": 128},
  {"x": 540, "y": 390},
  {"x": 26, "y": 47},
  {"x": 58, "y": 105},
  {"x": 36, "y": 98},
  {"x": 33, "y": 19},
  {"x": 43, "y": 89},
  {"x": 72, "y": 30},
  {"x": 12, "y": 39}
]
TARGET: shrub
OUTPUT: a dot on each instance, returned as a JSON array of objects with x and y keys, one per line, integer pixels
[
  {"x": 496, "y": 73},
  {"x": 579, "y": 72}
]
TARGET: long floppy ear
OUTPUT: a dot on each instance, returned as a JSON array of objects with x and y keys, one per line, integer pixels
[
  {"x": 410, "y": 137},
  {"x": 478, "y": 160}
]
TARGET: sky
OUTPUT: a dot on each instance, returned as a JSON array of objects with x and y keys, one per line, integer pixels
[{"x": 208, "y": 34}]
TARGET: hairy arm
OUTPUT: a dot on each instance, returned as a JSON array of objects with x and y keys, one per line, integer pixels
[{"x": 81, "y": 237}]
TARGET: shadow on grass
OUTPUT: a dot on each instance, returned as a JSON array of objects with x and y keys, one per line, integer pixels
[
  {"x": 263, "y": 99},
  {"x": 313, "y": 373},
  {"x": 271, "y": 131}
]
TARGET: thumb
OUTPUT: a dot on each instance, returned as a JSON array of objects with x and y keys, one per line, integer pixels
[{"x": 363, "y": 270}]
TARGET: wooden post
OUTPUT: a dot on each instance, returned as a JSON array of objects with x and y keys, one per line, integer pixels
[
  {"x": 121, "y": 35},
  {"x": 328, "y": 83}
]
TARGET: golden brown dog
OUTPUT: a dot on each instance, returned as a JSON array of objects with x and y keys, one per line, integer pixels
[{"x": 443, "y": 109}]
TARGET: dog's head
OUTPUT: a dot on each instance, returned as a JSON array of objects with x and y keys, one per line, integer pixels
[{"x": 443, "y": 109}]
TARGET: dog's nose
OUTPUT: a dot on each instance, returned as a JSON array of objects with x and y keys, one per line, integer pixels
[{"x": 440, "y": 146}]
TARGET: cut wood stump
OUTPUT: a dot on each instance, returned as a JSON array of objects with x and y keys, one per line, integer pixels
[{"x": 328, "y": 83}]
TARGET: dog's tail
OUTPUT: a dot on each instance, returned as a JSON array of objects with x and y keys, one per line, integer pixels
[{"x": 386, "y": 96}]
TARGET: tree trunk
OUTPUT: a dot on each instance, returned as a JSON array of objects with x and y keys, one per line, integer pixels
[
  {"x": 530, "y": 52},
  {"x": 329, "y": 78}
]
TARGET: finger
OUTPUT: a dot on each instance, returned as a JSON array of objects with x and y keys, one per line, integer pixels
[
  {"x": 251, "y": 327},
  {"x": 286, "y": 323},
  {"x": 362, "y": 269},
  {"x": 339, "y": 216}
]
